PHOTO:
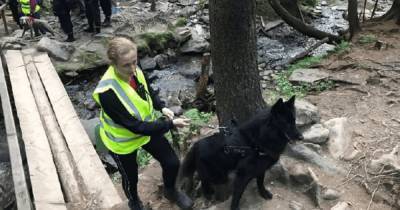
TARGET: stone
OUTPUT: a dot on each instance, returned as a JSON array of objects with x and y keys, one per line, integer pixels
[
  {"x": 6, "y": 185},
  {"x": 162, "y": 61},
  {"x": 330, "y": 194},
  {"x": 294, "y": 205},
  {"x": 391, "y": 161},
  {"x": 342, "y": 206},
  {"x": 182, "y": 34},
  {"x": 316, "y": 134},
  {"x": 195, "y": 46},
  {"x": 299, "y": 151},
  {"x": 147, "y": 63},
  {"x": 308, "y": 75},
  {"x": 55, "y": 49},
  {"x": 306, "y": 113},
  {"x": 340, "y": 143}
]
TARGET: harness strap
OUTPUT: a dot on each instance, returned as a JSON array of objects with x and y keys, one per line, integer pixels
[{"x": 243, "y": 151}]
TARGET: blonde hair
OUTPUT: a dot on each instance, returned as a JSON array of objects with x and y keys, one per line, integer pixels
[{"x": 119, "y": 46}]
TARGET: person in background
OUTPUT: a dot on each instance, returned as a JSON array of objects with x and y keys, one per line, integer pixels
[
  {"x": 31, "y": 9},
  {"x": 128, "y": 122},
  {"x": 93, "y": 16},
  {"x": 62, "y": 9},
  {"x": 106, "y": 8}
]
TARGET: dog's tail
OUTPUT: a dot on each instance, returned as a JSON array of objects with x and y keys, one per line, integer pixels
[{"x": 187, "y": 169}]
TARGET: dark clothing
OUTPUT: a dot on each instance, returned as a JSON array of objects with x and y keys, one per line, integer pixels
[
  {"x": 162, "y": 151},
  {"x": 106, "y": 7},
  {"x": 158, "y": 146},
  {"x": 62, "y": 9},
  {"x": 14, "y": 10},
  {"x": 93, "y": 14},
  {"x": 117, "y": 112}
]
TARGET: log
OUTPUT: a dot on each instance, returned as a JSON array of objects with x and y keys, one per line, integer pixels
[
  {"x": 308, "y": 51},
  {"x": 22, "y": 196},
  {"x": 61, "y": 154},
  {"x": 46, "y": 187},
  {"x": 96, "y": 181}
]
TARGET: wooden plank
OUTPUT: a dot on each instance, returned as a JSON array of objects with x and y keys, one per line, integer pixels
[
  {"x": 17, "y": 168},
  {"x": 96, "y": 180},
  {"x": 43, "y": 175},
  {"x": 61, "y": 154}
]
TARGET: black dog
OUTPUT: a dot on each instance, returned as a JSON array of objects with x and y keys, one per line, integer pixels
[{"x": 250, "y": 150}]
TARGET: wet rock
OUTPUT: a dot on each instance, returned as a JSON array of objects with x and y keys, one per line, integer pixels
[
  {"x": 302, "y": 152},
  {"x": 342, "y": 206},
  {"x": 90, "y": 104},
  {"x": 306, "y": 113},
  {"x": 330, "y": 194},
  {"x": 195, "y": 46},
  {"x": 182, "y": 34},
  {"x": 316, "y": 134},
  {"x": 6, "y": 186},
  {"x": 55, "y": 49},
  {"x": 198, "y": 42},
  {"x": 162, "y": 61},
  {"x": 390, "y": 161},
  {"x": 147, "y": 63},
  {"x": 308, "y": 75},
  {"x": 294, "y": 205},
  {"x": 340, "y": 144},
  {"x": 324, "y": 3}
]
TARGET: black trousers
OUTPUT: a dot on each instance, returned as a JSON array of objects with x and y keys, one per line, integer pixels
[
  {"x": 66, "y": 24},
  {"x": 106, "y": 7},
  {"x": 93, "y": 13},
  {"x": 14, "y": 11},
  {"x": 162, "y": 151}
]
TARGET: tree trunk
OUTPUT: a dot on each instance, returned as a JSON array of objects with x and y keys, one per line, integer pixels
[
  {"x": 392, "y": 13},
  {"x": 354, "y": 23},
  {"x": 234, "y": 59},
  {"x": 299, "y": 25}
]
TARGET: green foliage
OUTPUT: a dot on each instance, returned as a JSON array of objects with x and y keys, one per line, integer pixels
[
  {"x": 366, "y": 39},
  {"x": 143, "y": 157},
  {"x": 286, "y": 89},
  {"x": 198, "y": 119},
  {"x": 154, "y": 41},
  {"x": 180, "y": 22},
  {"x": 343, "y": 47},
  {"x": 309, "y": 3}
]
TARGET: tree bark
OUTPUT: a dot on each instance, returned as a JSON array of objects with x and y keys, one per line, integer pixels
[
  {"x": 392, "y": 13},
  {"x": 234, "y": 59},
  {"x": 354, "y": 23},
  {"x": 299, "y": 25}
]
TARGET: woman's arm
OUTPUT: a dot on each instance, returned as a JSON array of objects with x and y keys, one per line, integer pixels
[{"x": 120, "y": 115}]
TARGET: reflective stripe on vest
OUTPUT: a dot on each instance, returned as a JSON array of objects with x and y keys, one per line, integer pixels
[
  {"x": 115, "y": 137},
  {"x": 121, "y": 93}
]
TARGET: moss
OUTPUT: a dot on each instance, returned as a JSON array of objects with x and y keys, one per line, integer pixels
[
  {"x": 180, "y": 22},
  {"x": 154, "y": 41}
]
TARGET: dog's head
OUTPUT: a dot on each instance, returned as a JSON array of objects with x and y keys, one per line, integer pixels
[{"x": 284, "y": 117}]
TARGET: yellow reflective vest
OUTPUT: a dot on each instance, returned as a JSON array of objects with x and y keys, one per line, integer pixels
[
  {"x": 26, "y": 7},
  {"x": 116, "y": 138}
]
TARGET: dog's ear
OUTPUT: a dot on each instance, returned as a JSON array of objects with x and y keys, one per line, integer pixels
[
  {"x": 277, "y": 106},
  {"x": 291, "y": 100}
]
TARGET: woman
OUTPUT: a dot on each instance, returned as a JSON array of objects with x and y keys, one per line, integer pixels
[{"x": 128, "y": 123}]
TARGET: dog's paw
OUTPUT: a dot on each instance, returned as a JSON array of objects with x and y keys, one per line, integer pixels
[{"x": 267, "y": 195}]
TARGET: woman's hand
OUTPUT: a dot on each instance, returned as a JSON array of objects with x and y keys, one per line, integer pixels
[
  {"x": 181, "y": 122},
  {"x": 167, "y": 112}
]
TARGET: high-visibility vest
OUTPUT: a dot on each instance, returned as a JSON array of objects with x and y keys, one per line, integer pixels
[
  {"x": 115, "y": 137},
  {"x": 26, "y": 7}
]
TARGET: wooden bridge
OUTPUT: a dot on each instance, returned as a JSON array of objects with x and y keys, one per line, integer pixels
[{"x": 63, "y": 169}]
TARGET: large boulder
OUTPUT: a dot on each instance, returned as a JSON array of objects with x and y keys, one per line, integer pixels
[
  {"x": 55, "y": 49},
  {"x": 316, "y": 134},
  {"x": 340, "y": 143},
  {"x": 306, "y": 113}
]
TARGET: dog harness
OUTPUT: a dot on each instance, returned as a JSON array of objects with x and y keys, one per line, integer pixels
[{"x": 243, "y": 151}]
